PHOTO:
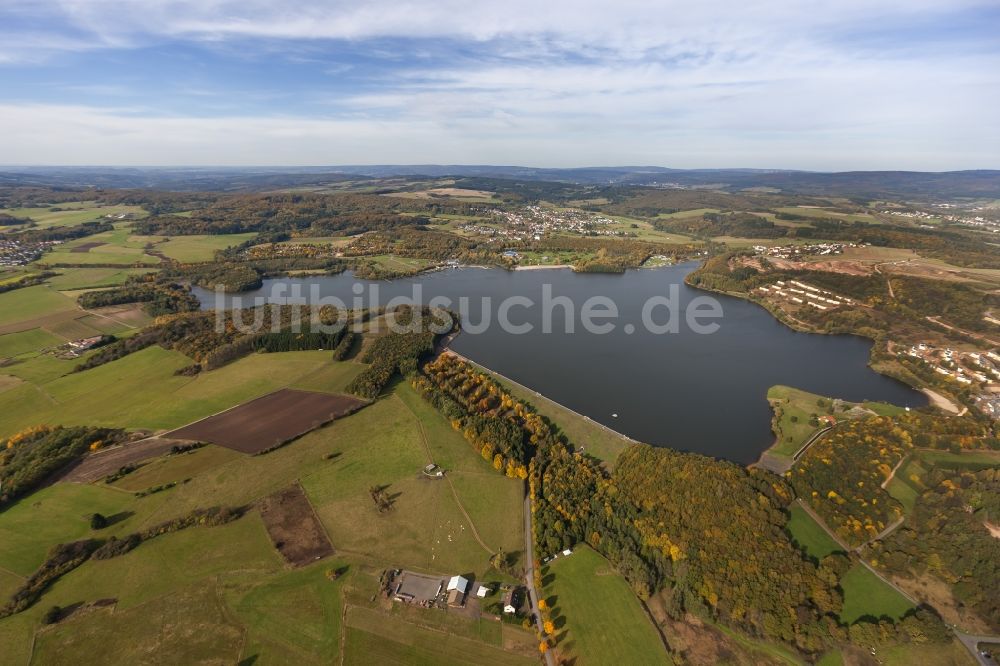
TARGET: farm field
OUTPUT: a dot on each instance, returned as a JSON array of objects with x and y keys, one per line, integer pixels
[
  {"x": 15, "y": 344},
  {"x": 809, "y": 535},
  {"x": 31, "y": 303},
  {"x": 865, "y": 595},
  {"x": 141, "y": 390},
  {"x": 72, "y": 213},
  {"x": 972, "y": 460},
  {"x": 190, "y": 249},
  {"x": 291, "y": 616},
  {"x": 269, "y": 421},
  {"x": 90, "y": 278},
  {"x": 692, "y": 212},
  {"x": 372, "y": 637},
  {"x": 162, "y": 470},
  {"x": 391, "y": 262},
  {"x": 385, "y": 445},
  {"x": 293, "y": 527},
  {"x": 237, "y": 567},
  {"x": 190, "y": 626},
  {"x": 59, "y": 513},
  {"x": 597, "y": 616},
  {"x": 814, "y": 212},
  {"x": 98, "y": 249},
  {"x": 166, "y": 585}
]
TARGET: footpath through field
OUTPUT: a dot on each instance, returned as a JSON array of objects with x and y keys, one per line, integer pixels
[{"x": 430, "y": 459}]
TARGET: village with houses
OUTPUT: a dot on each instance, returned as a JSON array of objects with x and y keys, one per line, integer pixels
[
  {"x": 534, "y": 222},
  {"x": 979, "y": 370},
  {"x": 15, "y": 252},
  {"x": 800, "y": 251}
]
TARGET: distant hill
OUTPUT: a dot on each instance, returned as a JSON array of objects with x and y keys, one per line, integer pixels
[{"x": 857, "y": 184}]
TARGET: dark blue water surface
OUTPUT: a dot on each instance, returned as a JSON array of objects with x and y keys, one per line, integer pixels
[{"x": 690, "y": 391}]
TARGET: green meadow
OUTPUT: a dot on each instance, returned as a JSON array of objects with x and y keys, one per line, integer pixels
[{"x": 598, "y": 618}]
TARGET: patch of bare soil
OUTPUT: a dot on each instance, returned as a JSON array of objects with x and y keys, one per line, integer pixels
[
  {"x": 270, "y": 421},
  {"x": 700, "y": 644},
  {"x": 294, "y": 528},
  {"x": 86, "y": 247},
  {"x": 830, "y": 266},
  {"x": 108, "y": 461},
  {"x": 935, "y": 592}
]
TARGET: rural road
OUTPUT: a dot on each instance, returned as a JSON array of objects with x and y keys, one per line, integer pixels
[
  {"x": 971, "y": 644},
  {"x": 529, "y": 555}
]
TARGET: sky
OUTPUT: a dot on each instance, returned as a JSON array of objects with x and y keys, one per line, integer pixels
[{"x": 798, "y": 84}]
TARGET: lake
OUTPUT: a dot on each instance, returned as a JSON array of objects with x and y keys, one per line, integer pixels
[{"x": 687, "y": 390}]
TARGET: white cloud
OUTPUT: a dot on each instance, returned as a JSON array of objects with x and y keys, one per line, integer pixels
[
  {"x": 711, "y": 83},
  {"x": 56, "y": 134},
  {"x": 626, "y": 27}
]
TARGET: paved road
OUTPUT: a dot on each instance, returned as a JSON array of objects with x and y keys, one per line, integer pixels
[
  {"x": 529, "y": 554},
  {"x": 971, "y": 642}
]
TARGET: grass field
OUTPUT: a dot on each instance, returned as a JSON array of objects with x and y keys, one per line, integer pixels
[
  {"x": 973, "y": 460},
  {"x": 107, "y": 253},
  {"x": 907, "y": 483},
  {"x": 52, "y": 515},
  {"x": 189, "y": 626},
  {"x": 176, "y": 468},
  {"x": 30, "y": 303},
  {"x": 90, "y": 278},
  {"x": 604, "y": 623},
  {"x": 384, "y": 445},
  {"x": 222, "y": 594},
  {"x": 792, "y": 430},
  {"x": 390, "y": 262},
  {"x": 825, "y": 213},
  {"x": 294, "y": 616},
  {"x": 168, "y": 602},
  {"x": 191, "y": 248},
  {"x": 682, "y": 214},
  {"x": 808, "y": 534},
  {"x": 141, "y": 391},
  {"x": 170, "y": 562},
  {"x": 926, "y": 654},
  {"x": 14, "y": 344},
  {"x": 374, "y": 638},
  {"x": 71, "y": 213},
  {"x": 865, "y": 595}
]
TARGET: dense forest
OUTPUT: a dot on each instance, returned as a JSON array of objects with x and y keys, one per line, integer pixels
[
  {"x": 841, "y": 475},
  {"x": 307, "y": 214},
  {"x": 948, "y": 535},
  {"x": 64, "y": 233},
  {"x": 30, "y": 457},
  {"x": 740, "y": 225},
  {"x": 709, "y": 537},
  {"x": 159, "y": 297}
]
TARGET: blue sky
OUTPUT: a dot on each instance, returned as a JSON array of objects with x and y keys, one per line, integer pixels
[{"x": 856, "y": 84}]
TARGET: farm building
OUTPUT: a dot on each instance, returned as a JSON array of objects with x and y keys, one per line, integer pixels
[{"x": 457, "y": 588}]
